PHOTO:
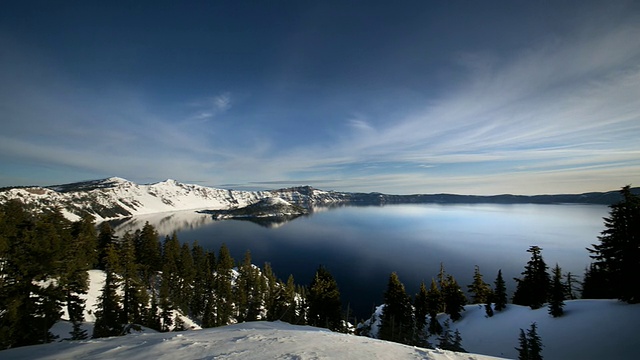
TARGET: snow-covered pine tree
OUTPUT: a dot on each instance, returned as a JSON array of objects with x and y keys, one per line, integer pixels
[{"x": 397, "y": 315}]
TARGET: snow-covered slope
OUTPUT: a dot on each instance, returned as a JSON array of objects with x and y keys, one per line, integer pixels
[
  {"x": 589, "y": 330},
  {"x": 116, "y": 197},
  {"x": 255, "y": 340}
]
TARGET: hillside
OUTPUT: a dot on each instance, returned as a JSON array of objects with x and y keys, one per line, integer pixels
[
  {"x": 256, "y": 340},
  {"x": 589, "y": 330},
  {"x": 118, "y": 198}
]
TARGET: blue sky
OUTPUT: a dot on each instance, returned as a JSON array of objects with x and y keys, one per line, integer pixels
[{"x": 399, "y": 97}]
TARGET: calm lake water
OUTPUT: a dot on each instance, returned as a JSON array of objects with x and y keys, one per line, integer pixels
[{"x": 361, "y": 246}]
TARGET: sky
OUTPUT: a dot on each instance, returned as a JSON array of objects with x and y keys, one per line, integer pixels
[{"x": 402, "y": 97}]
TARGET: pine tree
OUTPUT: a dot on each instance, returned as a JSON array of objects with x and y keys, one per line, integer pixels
[
  {"x": 533, "y": 289},
  {"x": 135, "y": 298},
  {"x": 398, "y": 323},
  {"x": 595, "y": 283},
  {"x": 148, "y": 253},
  {"x": 106, "y": 236},
  {"x": 534, "y": 343},
  {"x": 487, "y": 306},
  {"x": 454, "y": 299},
  {"x": 556, "y": 293},
  {"x": 108, "y": 313},
  {"x": 325, "y": 306},
  {"x": 523, "y": 349},
  {"x": 500, "y": 293},
  {"x": 617, "y": 256},
  {"x": 434, "y": 304},
  {"x": 421, "y": 306},
  {"x": 572, "y": 286},
  {"x": 478, "y": 288},
  {"x": 223, "y": 290}
]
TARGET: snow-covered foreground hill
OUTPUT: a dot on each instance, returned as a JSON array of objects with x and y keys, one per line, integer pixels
[
  {"x": 256, "y": 340},
  {"x": 590, "y": 329}
]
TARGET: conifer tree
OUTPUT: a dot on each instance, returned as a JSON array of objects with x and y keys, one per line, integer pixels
[
  {"x": 595, "y": 283},
  {"x": 135, "y": 298},
  {"x": 398, "y": 322},
  {"x": 325, "y": 306},
  {"x": 572, "y": 286},
  {"x": 533, "y": 289},
  {"x": 186, "y": 275},
  {"x": 148, "y": 253},
  {"x": 106, "y": 236},
  {"x": 556, "y": 293},
  {"x": 478, "y": 288},
  {"x": 523, "y": 349},
  {"x": 450, "y": 341},
  {"x": 488, "y": 308},
  {"x": 434, "y": 304},
  {"x": 534, "y": 343},
  {"x": 617, "y": 256},
  {"x": 224, "y": 292},
  {"x": 108, "y": 313},
  {"x": 200, "y": 287},
  {"x": 421, "y": 306},
  {"x": 500, "y": 293},
  {"x": 453, "y": 298}
]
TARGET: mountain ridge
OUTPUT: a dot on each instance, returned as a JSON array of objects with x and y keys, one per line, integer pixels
[{"x": 115, "y": 197}]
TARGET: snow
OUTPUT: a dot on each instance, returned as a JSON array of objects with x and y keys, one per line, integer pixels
[
  {"x": 255, "y": 340},
  {"x": 590, "y": 329}
]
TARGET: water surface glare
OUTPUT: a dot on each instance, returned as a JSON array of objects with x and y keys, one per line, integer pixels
[{"x": 361, "y": 246}]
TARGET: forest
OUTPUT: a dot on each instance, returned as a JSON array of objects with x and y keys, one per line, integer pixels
[{"x": 154, "y": 283}]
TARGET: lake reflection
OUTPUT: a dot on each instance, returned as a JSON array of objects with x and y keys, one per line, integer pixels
[{"x": 362, "y": 245}]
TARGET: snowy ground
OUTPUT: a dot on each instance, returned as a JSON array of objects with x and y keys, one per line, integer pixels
[{"x": 257, "y": 340}]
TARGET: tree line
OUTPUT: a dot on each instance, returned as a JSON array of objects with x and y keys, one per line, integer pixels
[{"x": 44, "y": 264}]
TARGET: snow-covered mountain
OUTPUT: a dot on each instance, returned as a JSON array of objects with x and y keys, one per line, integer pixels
[{"x": 116, "y": 197}]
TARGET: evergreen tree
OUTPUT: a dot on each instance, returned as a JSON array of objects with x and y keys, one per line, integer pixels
[
  {"x": 523, "y": 349},
  {"x": 325, "y": 307},
  {"x": 248, "y": 291},
  {"x": 421, "y": 306},
  {"x": 530, "y": 344},
  {"x": 479, "y": 289},
  {"x": 108, "y": 313},
  {"x": 106, "y": 237},
  {"x": 572, "y": 286},
  {"x": 148, "y": 253},
  {"x": 534, "y": 343},
  {"x": 82, "y": 255},
  {"x": 595, "y": 283},
  {"x": 500, "y": 293},
  {"x": 434, "y": 304},
  {"x": 617, "y": 256},
  {"x": 186, "y": 276},
  {"x": 556, "y": 293},
  {"x": 201, "y": 288},
  {"x": 398, "y": 323},
  {"x": 450, "y": 341},
  {"x": 223, "y": 290},
  {"x": 533, "y": 289},
  {"x": 135, "y": 298},
  {"x": 453, "y": 297}
]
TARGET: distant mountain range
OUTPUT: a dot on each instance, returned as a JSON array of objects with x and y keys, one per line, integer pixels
[{"x": 117, "y": 198}]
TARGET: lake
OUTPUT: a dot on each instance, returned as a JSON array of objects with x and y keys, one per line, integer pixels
[{"x": 361, "y": 246}]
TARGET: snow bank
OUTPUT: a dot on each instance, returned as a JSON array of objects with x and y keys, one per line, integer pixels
[{"x": 256, "y": 340}]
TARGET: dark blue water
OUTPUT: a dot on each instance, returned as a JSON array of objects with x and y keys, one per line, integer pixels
[{"x": 361, "y": 246}]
